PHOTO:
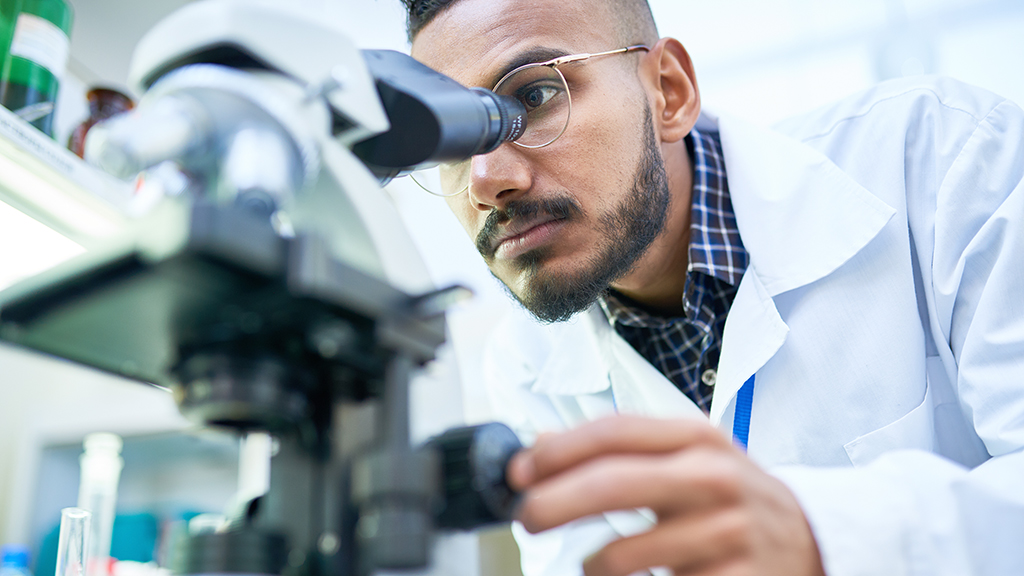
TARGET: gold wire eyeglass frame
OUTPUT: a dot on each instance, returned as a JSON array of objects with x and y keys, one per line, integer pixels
[{"x": 554, "y": 63}]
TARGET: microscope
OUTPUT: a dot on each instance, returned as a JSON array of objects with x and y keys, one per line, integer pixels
[{"x": 258, "y": 289}]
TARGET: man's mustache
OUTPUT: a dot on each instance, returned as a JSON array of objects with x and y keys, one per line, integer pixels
[{"x": 561, "y": 208}]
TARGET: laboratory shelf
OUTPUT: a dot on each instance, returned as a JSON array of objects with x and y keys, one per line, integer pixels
[{"x": 48, "y": 183}]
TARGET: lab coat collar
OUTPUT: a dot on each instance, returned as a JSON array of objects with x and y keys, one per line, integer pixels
[
  {"x": 575, "y": 364},
  {"x": 800, "y": 217}
]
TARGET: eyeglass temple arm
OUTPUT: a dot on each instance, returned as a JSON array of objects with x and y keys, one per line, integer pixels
[{"x": 577, "y": 57}]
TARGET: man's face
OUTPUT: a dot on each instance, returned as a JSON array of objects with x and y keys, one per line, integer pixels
[{"x": 557, "y": 224}]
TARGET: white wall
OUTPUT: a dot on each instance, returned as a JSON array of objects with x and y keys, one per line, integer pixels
[
  {"x": 769, "y": 59},
  {"x": 765, "y": 59},
  {"x": 43, "y": 402}
]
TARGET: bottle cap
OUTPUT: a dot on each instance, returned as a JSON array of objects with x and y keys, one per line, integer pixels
[
  {"x": 103, "y": 442},
  {"x": 15, "y": 555}
]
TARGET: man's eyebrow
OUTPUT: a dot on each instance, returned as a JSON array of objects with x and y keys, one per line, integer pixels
[{"x": 531, "y": 56}]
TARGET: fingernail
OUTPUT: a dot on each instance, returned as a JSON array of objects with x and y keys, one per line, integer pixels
[{"x": 521, "y": 470}]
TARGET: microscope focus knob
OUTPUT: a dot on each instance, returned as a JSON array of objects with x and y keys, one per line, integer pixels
[{"x": 473, "y": 463}]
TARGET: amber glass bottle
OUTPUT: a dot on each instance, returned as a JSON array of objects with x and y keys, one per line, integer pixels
[{"x": 103, "y": 103}]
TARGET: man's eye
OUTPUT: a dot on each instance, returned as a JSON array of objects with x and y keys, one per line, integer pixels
[{"x": 537, "y": 95}]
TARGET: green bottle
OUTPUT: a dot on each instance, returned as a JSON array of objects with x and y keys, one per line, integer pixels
[
  {"x": 8, "y": 14},
  {"x": 36, "y": 59}
]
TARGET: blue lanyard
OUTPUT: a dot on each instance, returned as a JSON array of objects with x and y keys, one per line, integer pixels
[{"x": 741, "y": 421}]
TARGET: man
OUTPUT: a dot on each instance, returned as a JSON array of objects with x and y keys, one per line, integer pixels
[{"x": 843, "y": 299}]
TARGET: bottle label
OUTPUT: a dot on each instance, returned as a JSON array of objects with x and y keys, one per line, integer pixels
[{"x": 41, "y": 41}]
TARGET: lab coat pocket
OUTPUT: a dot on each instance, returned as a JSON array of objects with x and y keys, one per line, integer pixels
[{"x": 915, "y": 430}]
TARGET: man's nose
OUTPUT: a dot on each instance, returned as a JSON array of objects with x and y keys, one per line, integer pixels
[{"x": 498, "y": 177}]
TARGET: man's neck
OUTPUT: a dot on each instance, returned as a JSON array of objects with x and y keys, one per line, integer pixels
[{"x": 659, "y": 276}]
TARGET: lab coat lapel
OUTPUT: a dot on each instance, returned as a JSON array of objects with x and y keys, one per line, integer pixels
[
  {"x": 800, "y": 217},
  {"x": 592, "y": 363},
  {"x": 637, "y": 386},
  {"x": 754, "y": 332}
]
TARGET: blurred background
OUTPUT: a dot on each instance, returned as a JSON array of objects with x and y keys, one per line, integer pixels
[
  {"x": 764, "y": 59},
  {"x": 761, "y": 59}
]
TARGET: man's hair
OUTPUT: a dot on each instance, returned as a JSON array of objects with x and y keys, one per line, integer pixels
[{"x": 633, "y": 19}]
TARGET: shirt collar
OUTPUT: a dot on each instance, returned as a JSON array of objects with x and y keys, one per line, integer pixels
[{"x": 715, "y": 246}]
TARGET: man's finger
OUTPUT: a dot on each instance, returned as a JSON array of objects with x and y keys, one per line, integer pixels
[
  {"x": 683, "y": 482},
  {"x": 616, "y": 435},
  {"x": 686, "y": 544}
]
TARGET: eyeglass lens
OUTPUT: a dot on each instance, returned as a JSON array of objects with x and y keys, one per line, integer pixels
[{"x": 543, "y": 92}]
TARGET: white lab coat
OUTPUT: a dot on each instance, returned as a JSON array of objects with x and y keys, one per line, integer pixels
[{"x": 883, "y": 315}]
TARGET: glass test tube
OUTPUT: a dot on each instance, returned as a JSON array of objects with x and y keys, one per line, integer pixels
[
  {"x": 101, "y": 466},
  {"x": 74, "y": 531}
]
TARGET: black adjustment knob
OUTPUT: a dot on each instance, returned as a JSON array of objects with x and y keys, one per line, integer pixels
[
  {"x": 245, "y": 551},
  {"x": 473, "y": 463}
]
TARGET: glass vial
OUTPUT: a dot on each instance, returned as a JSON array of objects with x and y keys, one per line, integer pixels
[
  {"x": 74, "y": 536},
  {"x": 101, "y": 465}
]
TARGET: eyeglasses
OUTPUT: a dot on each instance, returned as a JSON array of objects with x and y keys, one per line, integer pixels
[{"x": 542, "y": 89}]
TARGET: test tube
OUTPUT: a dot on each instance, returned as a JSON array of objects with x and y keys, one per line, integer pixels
[
  {"x": 101, "y": 465},
  {"x": 74, "y": 532}
]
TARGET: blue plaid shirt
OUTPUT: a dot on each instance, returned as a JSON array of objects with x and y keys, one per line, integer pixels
[{"x": 686, "y": 348}]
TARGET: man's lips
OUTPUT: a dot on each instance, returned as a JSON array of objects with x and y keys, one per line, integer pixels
[
  {"x": 521, "y": 237},
  {"x": 523, "y": 225}
]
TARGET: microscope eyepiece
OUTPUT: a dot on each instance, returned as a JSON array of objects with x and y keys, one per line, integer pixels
[
  {"x": 434, "y": 119},
  {"x": 506, "y": 121}
]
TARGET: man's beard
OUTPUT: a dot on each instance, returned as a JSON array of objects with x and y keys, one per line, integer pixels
[{"x": 628, "y": 232}]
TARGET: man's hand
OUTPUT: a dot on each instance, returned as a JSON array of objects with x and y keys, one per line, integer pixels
[{"x": 718, "y": 512}]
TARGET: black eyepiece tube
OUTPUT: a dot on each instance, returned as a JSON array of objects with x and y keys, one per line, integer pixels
[
  {"x": 507, "y": 120},
  {"x": 434, "y": 119}
]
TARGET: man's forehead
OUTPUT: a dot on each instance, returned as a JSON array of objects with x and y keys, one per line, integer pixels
[{"x": 477, "y": 41}]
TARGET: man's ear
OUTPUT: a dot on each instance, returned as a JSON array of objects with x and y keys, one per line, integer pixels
[{"x": 672, "y": 84}]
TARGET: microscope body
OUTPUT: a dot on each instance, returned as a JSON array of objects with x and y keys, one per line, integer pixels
[{"x": 260, "y": 291}]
